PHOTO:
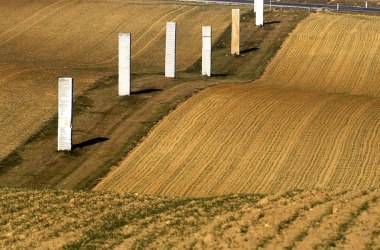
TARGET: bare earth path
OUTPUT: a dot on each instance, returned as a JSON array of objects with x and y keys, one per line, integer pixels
[{"x": 312, "y": 120}]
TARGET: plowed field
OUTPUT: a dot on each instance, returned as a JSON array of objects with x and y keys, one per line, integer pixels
[
  {"x": 312, "y": 120},
  {"x": 43, "y": 40},
  {"x": 298, "y": 220},
  {"x": 330, "y": 54}
]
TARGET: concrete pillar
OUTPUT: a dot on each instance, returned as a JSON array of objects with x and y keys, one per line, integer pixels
[
  {"x": 124, "y": 64},
  {"x": 65, "y": 113},
  {"x": 259, "y": 12},
  {"x": 235, "y": 34},
  {"x": 170, "y": 55},
  {"x": 206, "y": 50}
]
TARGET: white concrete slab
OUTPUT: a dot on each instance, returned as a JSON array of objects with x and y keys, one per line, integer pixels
[
  {"x": 259, "y": 12},
  {"x": 206, "y": 50},
  {"x": 235, "y": 32},
  {"x": 65, "y": 113},
  {"x": 170, "y": 55},
  {"x": 124, "y": 64}
]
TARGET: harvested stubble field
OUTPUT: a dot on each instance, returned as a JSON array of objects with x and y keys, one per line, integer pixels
[
  {"x": 312, "y": 121},
  {"x": 316, "y": 219},
  {"x": 43, "y": 40}
]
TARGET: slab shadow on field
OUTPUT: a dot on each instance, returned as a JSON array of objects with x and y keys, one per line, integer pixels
[
  {"x": 145, "y": 91},
  {"x": 244, "y": 51},
  {"x": 220, "y": 75},
  {"x": 90, "y": 142},
  {"x": 271, "y": 22}
]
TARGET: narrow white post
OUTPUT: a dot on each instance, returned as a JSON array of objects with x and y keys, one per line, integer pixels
[
  {"x": 124, "y": 64},
  {"x": 259, "y": 12},
  {"x": 366, "y": 4},
  {"x": 206, "y": 50},
  {"x": 337, "y": 6},
  {"x": 235, "y": 32},
  {"x": 170, "y": 55},
  {"x": 65, "y": 113}
]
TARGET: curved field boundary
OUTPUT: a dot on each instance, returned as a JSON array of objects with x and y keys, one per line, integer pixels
[
  {"x": 272, "y": 135},
  {"x": 267, "y": 139}
]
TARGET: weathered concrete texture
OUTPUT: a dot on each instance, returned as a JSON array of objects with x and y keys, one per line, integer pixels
[
  {"x": 124, "y": 64},
  {"x": 206, "y": 50},
  {"x": 235, "y": 33},
  {"x": 170, "y": 55},
  {"x": 65, "y": 113},
  {"x": 259, "y": 4}
]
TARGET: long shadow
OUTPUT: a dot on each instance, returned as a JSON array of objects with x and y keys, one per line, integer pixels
[
  {"x": 271, "y": 22},
  {"x": 90, "y": 142},
  {"x": 219, "y": 75},
  {"x": 244, "y": 51},
  {"x": 145, "y": 91}
]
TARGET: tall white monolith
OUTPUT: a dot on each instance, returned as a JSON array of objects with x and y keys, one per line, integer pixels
[
  {"x": 124, "y": 64},
  {"x": 235, "y": 32},
  {"x": 170, "y": 55},
  {"x": 206, "y": 50},
  {"x": 65, "y": 113},
  {"x": 259, "y": 12}
]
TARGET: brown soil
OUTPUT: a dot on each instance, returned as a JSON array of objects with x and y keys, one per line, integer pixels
[{"x": 318, "y": 219}]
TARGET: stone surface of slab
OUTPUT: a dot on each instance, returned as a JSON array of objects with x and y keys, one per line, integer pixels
[
  {"x": 170, "y": 55},
  {"x": 124, "y": 64},
  {"x": 235, "y": 33},
  {"x": 206, "y": 50},
  {"x": 65, "y": 113},
  {"x": 259, "y": 4}
]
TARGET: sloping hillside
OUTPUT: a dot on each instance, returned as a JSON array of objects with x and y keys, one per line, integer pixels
[
  {"x": 297, "y": 219},
  {"x": 310, "y": 129},
  {"x": 43, "y": 40},
  {"x": 330, "y": 53},
  {"x": 106, "y": 127}
]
